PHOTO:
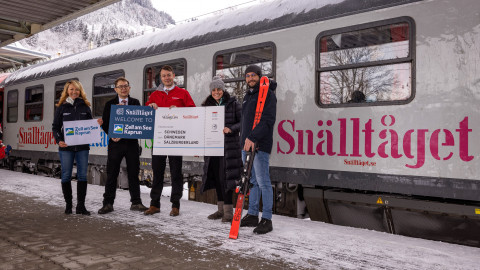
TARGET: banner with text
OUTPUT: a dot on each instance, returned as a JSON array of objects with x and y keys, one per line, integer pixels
[
  {"x": 189, "y": 131},
  {"x": 81, "y": 132},
  {"x": 131, "y": 122}
]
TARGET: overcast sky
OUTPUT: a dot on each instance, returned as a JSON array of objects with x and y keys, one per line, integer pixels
[{"x": 185, "y": 9}]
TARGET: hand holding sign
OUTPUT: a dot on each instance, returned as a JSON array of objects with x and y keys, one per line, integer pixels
[{"x": 81, "y": 132}]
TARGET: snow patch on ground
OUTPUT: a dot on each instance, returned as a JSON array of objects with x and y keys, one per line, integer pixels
[{"x": 307, "y": 244}]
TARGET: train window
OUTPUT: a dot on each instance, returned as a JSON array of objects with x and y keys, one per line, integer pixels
[
  {"x": 34, "y": 103},
  {"x": 103, "y": 89},
  {"x": 371, "y": 64},
  {"x": 12, "y": 106},
  {"x": 58, "y": 92},
  {"x": 231, "y": 64},
  {"x": 151, "y": 76}
]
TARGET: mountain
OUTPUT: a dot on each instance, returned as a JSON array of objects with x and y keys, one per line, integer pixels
[{"x": 121, "y": 20}]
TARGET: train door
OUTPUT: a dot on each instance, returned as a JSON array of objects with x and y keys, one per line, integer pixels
[{"x": 2, "y": 91}]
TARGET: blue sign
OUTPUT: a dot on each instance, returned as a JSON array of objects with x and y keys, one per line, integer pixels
[{"x": 131, "y": 122}]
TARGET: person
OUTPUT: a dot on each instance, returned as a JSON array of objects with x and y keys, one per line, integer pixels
[
  {"x": 73, "y": 105},
  {"x": 262, "y": 136},
  {"x": 222, "y": 173},
  {"x": 117, "y": 150},
  {"x": 169, "y": 95},
  {"x": 357, "y": 97},
  {"x": 2, "y": 150}
]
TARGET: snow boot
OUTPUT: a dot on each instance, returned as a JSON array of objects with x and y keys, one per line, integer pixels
[
  {"x": 264, "y": 226},
  {"x": 219, "y": 213},
  {"x": 81, "y": 194},
  {"x": 249, "y": 221},
  {"x": 227, "y": 213},
  {"x": 67, "y": 194}
]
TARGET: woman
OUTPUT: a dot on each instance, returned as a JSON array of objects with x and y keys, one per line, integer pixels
[
  {"x": 73, "y": 105},
  {"x": 221, "y": 173}
]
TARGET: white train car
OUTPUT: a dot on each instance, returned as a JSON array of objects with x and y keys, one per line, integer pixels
[{"x": 377, "y": 114}]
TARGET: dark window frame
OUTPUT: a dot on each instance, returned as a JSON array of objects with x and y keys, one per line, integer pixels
[
  {"x": 26, "y": 104},
  {"x": 102, "y": 95},
  {"x": 8, "y": 112},
  {"x": 163, "y": 63},
  {"x": 411, "y": 58},
  {"x": 244, "y": 48},
  {"x": 55, "y": 92}
]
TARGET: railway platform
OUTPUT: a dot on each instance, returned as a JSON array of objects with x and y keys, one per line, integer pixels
[{"x": 36, "y": 234}]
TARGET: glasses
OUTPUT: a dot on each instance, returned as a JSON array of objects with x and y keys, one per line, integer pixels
[
  {"x": 123, "y": 86},
  {"x": 251, "y": 75}
]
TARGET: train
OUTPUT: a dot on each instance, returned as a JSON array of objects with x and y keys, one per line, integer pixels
[{"x": 377, "y": 113}]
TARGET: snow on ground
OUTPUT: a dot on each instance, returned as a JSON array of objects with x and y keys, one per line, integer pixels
[{"x": 307, "y": 244}]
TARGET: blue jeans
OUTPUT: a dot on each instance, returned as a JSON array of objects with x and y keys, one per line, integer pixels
[
  {"x": 262, "y": 186},
  {"x": 66, "y": 159}
]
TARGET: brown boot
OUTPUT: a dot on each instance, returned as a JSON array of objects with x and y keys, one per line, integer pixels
[
  {"x": 219, "y": 213},
  {"x": 152, "y": 210},
  {"x": 227, "y": 213},
  {"x": 175, "y": 212}
]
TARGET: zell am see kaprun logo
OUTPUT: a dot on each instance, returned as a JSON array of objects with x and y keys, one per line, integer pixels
[
  {"x": 118, "y": 128},
  {"x": 69, "y": 131}
]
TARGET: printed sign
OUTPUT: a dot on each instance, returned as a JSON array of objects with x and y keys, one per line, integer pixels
[
  {"x": 190, "y": 131},
  {"x": 131, "y": 122},
  {"x": 81, "y": 132}
]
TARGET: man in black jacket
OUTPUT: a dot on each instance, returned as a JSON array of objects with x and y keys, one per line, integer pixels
[
  {"x": 119, "y": 148},
  {"x": 262, "y": 136}
]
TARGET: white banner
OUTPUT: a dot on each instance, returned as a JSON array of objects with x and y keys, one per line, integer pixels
[
  {"x": 189, "y": 131},
  {"x": 81, "y": 132}
]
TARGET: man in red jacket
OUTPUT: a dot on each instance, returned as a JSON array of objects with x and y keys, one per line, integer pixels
[{"x": 167, "y": 95}]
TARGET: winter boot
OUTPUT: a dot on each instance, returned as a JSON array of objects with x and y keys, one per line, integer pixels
[
  {"x": 81, "y": 194},
  {"x": 264, "y": 226},
  {"x": 67, "y": 194},
  {"x": 219, "y": 213},
  {"x": 249, "y": 221},
  {"x": 227, "y": 213}
]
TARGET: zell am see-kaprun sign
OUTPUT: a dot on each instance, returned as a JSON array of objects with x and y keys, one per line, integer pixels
[{"x": 131, "y": 122}]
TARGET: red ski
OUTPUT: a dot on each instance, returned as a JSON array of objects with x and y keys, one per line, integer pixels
[{"x": 244, "y": 186}]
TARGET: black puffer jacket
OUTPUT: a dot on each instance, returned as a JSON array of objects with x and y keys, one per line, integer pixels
[
  {"x": 232, "y": 159},
  {"x": 68, "y": 112}
]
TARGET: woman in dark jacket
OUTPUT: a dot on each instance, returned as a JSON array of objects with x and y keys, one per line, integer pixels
[
  {"x": 222, "y": 173},
  {"x": 73, "y": 105}
]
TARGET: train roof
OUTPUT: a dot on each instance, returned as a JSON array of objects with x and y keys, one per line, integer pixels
[{"x": 244, "y": 22}]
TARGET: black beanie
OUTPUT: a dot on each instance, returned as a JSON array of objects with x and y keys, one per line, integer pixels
[{"x": 254, "y": 68}]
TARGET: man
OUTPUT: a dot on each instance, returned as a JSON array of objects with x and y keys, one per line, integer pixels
[
  {"x": 168, "y": 95},
  {"x": 118, "y": 149},
  {"x": 262, "y": 136}
]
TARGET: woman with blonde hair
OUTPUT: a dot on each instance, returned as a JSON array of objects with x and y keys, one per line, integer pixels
[{"x": 73, "y": 106}]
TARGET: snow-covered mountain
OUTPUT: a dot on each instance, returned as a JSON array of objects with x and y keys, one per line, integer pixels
[{"x": 121, "y": 20}]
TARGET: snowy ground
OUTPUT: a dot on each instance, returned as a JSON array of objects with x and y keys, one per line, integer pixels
[{"x": 307, "y": 244}]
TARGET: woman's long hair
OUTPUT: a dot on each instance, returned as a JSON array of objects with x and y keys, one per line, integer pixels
[{"x": 78, "y": 86}]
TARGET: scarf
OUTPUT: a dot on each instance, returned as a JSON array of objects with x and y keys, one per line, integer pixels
[{"x": 70, "y": 100}]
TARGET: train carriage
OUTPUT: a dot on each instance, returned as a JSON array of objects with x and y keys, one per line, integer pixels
[{"x": 377, "y": 113}]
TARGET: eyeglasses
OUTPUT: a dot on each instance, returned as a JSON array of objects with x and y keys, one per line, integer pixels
[
  {"x": 251, "y": 75},
  {"x": 123, "y": 86}
]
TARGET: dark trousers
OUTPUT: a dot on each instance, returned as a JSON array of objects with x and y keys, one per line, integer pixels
[
  {"x": 217, "y": 169},
  {"x": 127, "y": 148},
  {"x": 158, "y": 165}
]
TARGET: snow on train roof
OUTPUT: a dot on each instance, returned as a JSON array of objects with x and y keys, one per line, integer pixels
[{"x": 243, "y": 22}]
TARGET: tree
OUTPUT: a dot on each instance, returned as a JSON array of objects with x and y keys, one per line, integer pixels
[{"x": 338, "y": 85}]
